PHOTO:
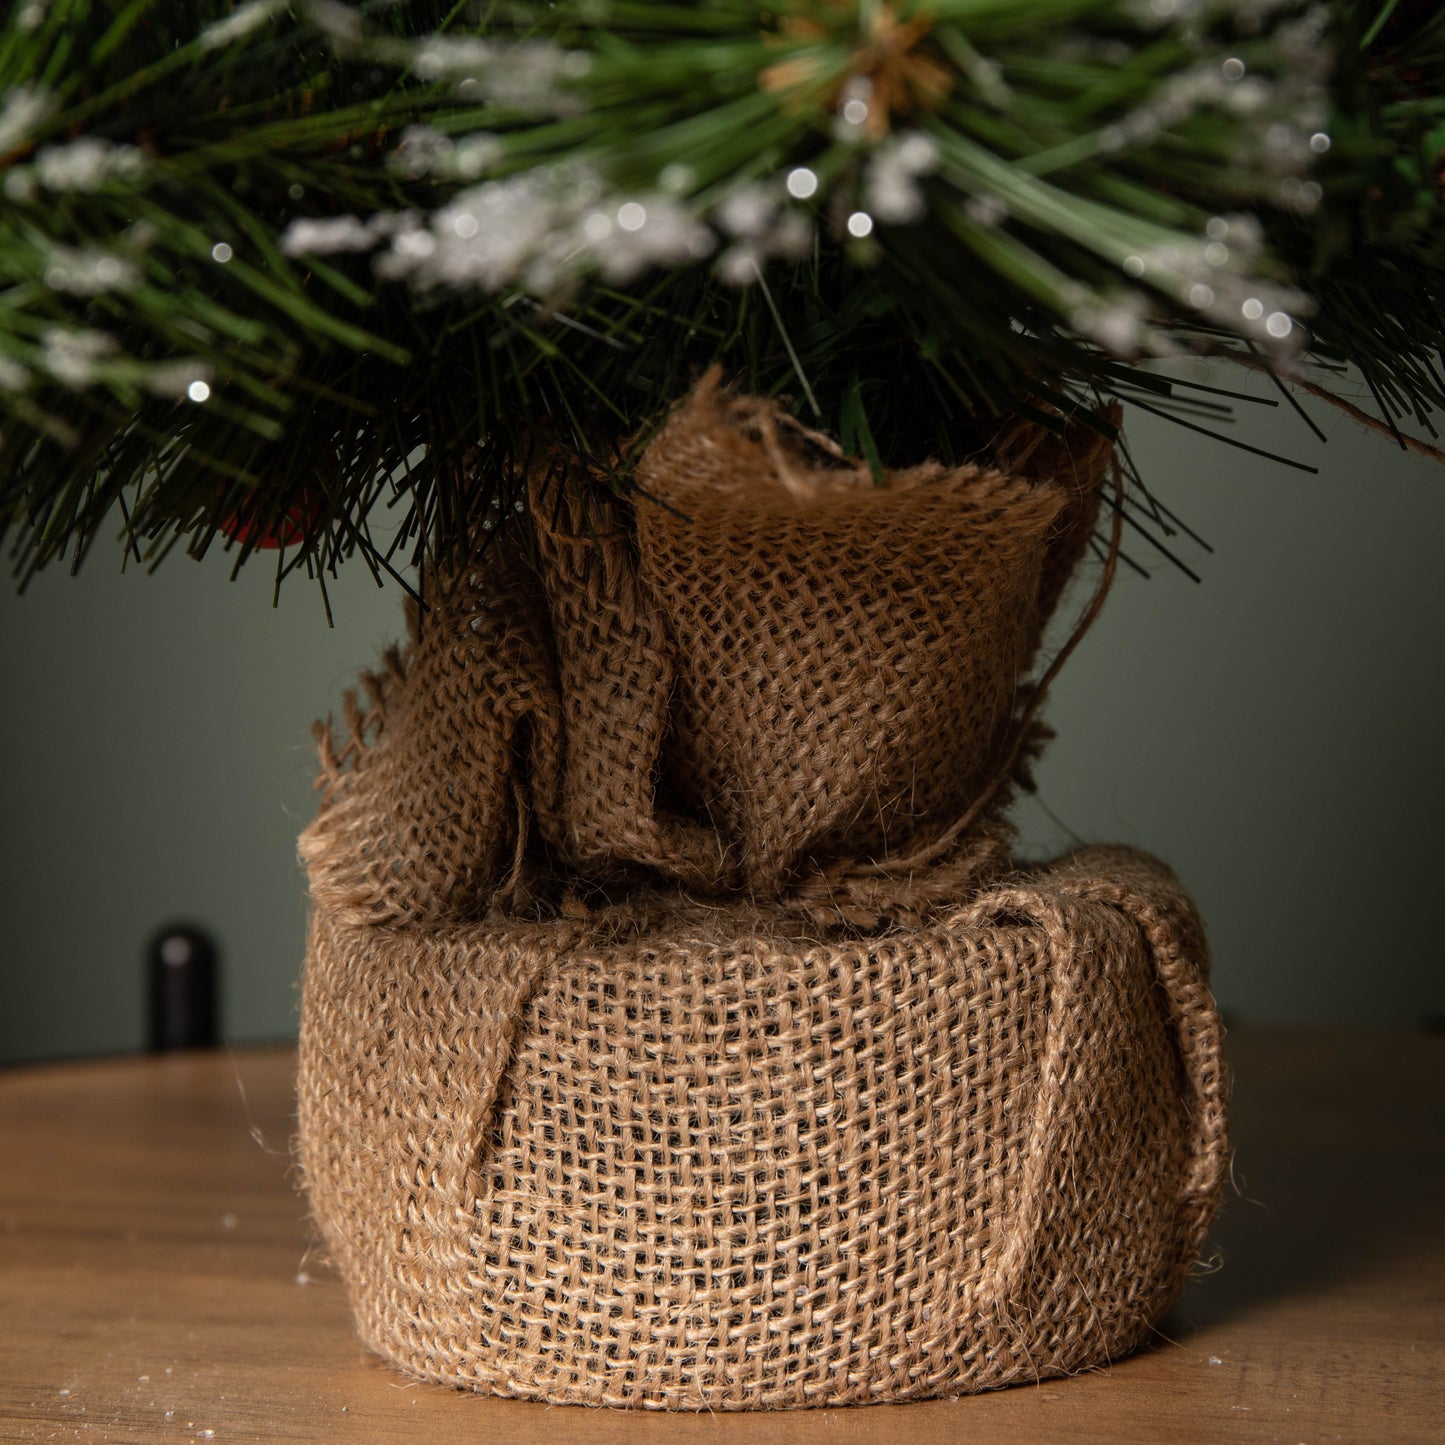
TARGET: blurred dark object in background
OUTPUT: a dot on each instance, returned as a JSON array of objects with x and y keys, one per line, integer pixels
[{"x": 183, "y": 994}]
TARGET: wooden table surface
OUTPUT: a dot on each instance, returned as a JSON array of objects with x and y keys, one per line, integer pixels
[{"x": 156, "y": 1283}]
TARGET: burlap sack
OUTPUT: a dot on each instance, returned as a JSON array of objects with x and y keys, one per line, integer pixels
[{"x": 592, "y": 1107}]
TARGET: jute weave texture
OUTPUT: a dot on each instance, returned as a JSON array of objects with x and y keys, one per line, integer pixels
[
  {"x": 718, "y": 1166},
  {"x": 597, "y": 1105}
]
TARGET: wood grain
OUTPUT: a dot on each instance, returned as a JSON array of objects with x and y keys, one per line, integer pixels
[{"x": 157, "y": 1285}]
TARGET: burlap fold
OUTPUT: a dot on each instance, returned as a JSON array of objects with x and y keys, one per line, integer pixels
[
  {"x": 452, "y": 754},
  {"x": 615, "y": 673},
  {"x": 846, "y": 653},
  {"x": 598, "y": 1102}
]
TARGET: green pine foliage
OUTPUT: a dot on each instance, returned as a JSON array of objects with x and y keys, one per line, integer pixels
[
  {"x": 1374, "y": 257},
  {"x": 268, "y": 268}
]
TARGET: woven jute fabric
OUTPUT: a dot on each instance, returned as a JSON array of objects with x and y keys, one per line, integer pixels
[
  {"x": 633, "y": 1070},
  {"x": 715, "y": 1164},
  {"x": 772, "y": 667}
]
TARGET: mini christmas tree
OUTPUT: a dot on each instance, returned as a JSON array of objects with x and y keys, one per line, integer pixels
[{"x": 677, "y": 1029}]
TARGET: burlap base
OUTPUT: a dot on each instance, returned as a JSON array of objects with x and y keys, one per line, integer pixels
[
  {"x": 678, "y": 1156},
  {"x": 675, "y": 1031}
]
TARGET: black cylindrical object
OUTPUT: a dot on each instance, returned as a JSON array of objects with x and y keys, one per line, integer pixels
[{"x": 183, "y": 988}]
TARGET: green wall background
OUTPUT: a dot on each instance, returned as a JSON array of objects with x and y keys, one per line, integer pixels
[{"x": 1273, "y": 733}]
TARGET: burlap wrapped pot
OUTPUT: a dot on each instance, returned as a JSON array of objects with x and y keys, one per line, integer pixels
[{"x": 598, "y": 1106}]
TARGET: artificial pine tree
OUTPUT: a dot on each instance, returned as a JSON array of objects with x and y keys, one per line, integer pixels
[
  {"x": 677, "y": 1029},
  {"x": 267, "y": 266}
]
